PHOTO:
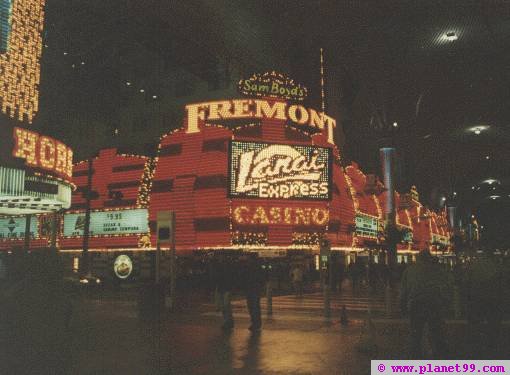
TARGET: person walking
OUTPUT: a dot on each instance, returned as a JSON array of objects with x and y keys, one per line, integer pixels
[
  {"x": 253, "y": 285},
  {"x": 356, "y": 273},
  {"x": 484, "y": 287},
  {"x": 224, "y": 280},
  {"x": 296, "y": 276},
  {"x": 424, "y": 292}
]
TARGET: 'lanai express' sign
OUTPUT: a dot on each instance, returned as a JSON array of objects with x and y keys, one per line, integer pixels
[{"x": 264, "y": 170}]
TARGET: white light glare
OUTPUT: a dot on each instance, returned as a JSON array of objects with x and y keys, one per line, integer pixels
[
  {"x": 395, "y": 124},
  {"x": 490, "y": 181},
  {"x": 451, "y": 36},
  {"x": 477, "y": 129}
]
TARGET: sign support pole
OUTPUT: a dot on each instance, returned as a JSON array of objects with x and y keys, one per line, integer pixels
[
  {"x": 27, "y": 232},
  {"x": 86, "y": 230},
  {"x": 325, "y": 260},
  {"x": 54, "y": 231},
  {"x": 166, "y": 235},
  {"x": 157, "y": 271},
  {"x": 173, "y": 264}
]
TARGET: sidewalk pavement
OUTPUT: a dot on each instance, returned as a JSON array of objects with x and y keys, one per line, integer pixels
[{"x": 108, "y": 337}]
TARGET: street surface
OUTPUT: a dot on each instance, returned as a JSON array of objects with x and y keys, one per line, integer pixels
[{"x": 105, "y": 329}]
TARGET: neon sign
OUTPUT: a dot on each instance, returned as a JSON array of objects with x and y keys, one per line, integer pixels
[
  {"x": 43, "y": 152},
  {"x": 264, "y": 170},
  {"x": 21, "y": 25},
  {"x": 272, "y": 84},
  {"x": 259, "y": 215},
  {"x": 257, "y": 109}
]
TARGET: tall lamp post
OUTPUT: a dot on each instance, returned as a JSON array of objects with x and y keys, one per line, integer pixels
[{"x": 387, "y": 152}]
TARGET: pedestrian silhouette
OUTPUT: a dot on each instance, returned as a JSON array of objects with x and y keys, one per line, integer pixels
[
  {"x": 424, "y": 294},
  {"x": 224, "y": 280},
  {"x": 484, "y": 303},
  {"x": 296, "y": 276},
  {"x": 253, "y": 284}
]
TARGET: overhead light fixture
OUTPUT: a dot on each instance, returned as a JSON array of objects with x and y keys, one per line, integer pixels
[
  {"x": 495, "y": 197},
  {"x": 454, "y": 193},
  {"x": 395, "y": 124},
  {"x": 477, "y": 129},
  {"x": 490, "y": 181},
  {"x": 154, "y": 96},
  {"x": 142, "y": 90},
  {"x": 451, "y": 36},
  {"x": 128, "y": 83},
  {"x": 487, "y": 157}
]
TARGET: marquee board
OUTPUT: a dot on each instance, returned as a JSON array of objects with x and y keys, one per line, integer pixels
[{"x": 118, "y": 222}]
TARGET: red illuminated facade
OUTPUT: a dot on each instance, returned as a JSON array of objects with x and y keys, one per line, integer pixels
[
  {"x": 192, "y": 175},
  {"x": 118, "y": 184}
]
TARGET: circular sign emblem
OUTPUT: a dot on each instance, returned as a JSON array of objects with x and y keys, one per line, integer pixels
[{"x": 123, "y": 266}]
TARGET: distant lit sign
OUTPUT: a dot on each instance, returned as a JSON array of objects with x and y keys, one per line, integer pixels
[
  {"x": 408, "y": 236},
  {"x": 258, "y": 109},
  {"x": 272, "y": 84},
  {"x": 366, "y": 226},
  {"x": 263, "y": 170},
  {"x": 119, "y": 222},
  {"x": 123, "y": 266},
  {"x": 5, "y": 24},
  {"x": 439, "y": 239},
  {"x": 14, "y": 227},
  {"x": 43, "y": 152},
  {"x": 257, "y": 215},
  {"x": 25, "y": 194}
]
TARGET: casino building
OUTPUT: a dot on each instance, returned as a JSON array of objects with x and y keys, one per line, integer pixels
[
  {"x": 256, "y": 173},
  {"x": 35, "y": 169}
]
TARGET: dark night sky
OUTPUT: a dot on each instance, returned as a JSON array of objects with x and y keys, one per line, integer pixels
[{"x": 386, "y": 62}]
